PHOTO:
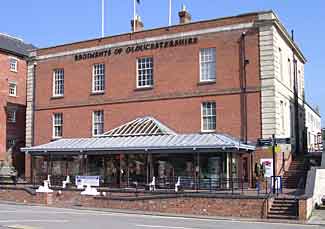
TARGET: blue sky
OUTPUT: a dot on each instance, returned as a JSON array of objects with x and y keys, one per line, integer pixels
[{"x": 50, "y": 22}]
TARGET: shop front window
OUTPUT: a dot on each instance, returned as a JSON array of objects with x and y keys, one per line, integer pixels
[
  {"x": 213, "y": 166},
  {"x": 137, "y": 169},
  {"x": 74, "y": 166},
  {"x": 95, "y": 166},
  {"x": 112, "y": 170}
]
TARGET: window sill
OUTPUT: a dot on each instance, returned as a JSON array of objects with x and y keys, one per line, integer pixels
[
  {"x": 97, "y": 135},
  {"x": 15, "y": 71},
  {"x": 55, "y": 139},
  {"x": 206, "y": 82},
  {"x": 57, "y": 97},
  {"x": 143, "y": 88},
  {"x": 208, "y": 131},
  {"x": 13, "y": 96},
  {"x": 97, "y": 93}
]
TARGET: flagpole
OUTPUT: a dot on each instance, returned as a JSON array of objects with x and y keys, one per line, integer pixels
[
  {"x": 170, "y": 13},
  {"x": 134, "y": 14},
  {"x": 103, "y": 18}
]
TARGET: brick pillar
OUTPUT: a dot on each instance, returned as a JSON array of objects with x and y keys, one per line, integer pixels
[{"x": 28, "y": 165}]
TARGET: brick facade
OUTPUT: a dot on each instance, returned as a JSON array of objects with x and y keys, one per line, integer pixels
[
  {"x": 243, "y": 91},
  {"x": 14, "y": 131},
  {"x": 177, "y": 94}
]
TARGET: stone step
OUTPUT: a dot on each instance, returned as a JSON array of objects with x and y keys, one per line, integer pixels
[
  {"x": 291, "y": 178},
  {"x": 285, "y": 199},
  {"x": 287, "y": 213},
  {"x": 289, "y": 217},
  {"x": 288, "y": 205},
  {"x": 281, "y": 208}
]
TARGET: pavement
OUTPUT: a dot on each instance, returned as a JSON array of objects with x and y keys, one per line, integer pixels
[
  {"x": 38, "y": 217},
  {"x": 318, "y": 217}
]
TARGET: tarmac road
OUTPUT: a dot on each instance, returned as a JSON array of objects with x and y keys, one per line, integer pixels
[{"x": 37, "y": 217}]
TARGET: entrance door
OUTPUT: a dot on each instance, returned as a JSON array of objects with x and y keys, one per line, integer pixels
[
  {"x": 245, "y": 169},
  {"x": 215, "y": 172},
  {"x": 112, "y": 173}
]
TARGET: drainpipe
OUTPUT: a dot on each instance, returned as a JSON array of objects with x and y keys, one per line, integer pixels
[{"x": 243, "y": 86}]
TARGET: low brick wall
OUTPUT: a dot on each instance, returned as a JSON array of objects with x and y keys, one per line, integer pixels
[
  {"x": 20, "y": 195},
  {"x": 191, "y": 204}
]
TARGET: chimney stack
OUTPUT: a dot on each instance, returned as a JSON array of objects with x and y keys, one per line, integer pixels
[
  {"x": 137, "y": 24},
  {"x": 184, "y": 16}
]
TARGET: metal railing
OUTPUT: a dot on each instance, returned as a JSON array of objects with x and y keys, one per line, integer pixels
[{"x": 222, "y": 185}]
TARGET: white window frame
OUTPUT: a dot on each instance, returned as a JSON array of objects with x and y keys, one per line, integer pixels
[
  {"x": 12, "y": 91},
  {"x": 13, "y": 117},
  {"x": 13, "y": 66},
  {"x": 208, "y": 116},
  {"x": 211, "y": 76},
  {"x": 281, "y": 64},
  {"x": 290, "y": 73},
  {"x": 98, "y": 77},
  {"x": 96, "y": 123},
  {"x": 145, "y": 69},
  {"x": 57, "y": 90},
  {"x": 282, "y": 116},
  {"x": 57, "y": 125},
  {"x": 11, "y": 142}
]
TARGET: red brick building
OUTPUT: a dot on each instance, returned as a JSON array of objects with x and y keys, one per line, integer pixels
[
  {"x": 196, "y": 77},
  {"x": 13, "y": 71}
]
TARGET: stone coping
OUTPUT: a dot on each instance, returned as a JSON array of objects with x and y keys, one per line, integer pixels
[
  {"x": 182, "y": 195},
  {"x": 143, "y": 194}
]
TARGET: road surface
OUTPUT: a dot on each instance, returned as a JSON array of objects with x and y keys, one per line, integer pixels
[{"x": 38, "y": 217}]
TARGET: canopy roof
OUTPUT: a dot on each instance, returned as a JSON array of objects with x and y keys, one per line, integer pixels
[
  {"x": 146, "y": 126},
  {"x": 142, "y": 135}
]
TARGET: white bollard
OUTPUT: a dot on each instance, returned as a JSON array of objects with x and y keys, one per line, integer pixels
[
  {"x": 178, "y": 184},
  {"x": 89, "y": 191},
  {"x": 152, "y": 185},
  {"x": 65, "y": 182},
  {"x": 45, "y": 188}
]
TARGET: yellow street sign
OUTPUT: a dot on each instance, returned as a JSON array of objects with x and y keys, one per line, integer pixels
[{"x": 277, "y": 149}]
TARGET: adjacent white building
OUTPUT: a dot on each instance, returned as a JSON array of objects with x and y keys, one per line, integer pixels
[
  {"x": 282, "y": 79},
  {"x": 313, "y": 128}
]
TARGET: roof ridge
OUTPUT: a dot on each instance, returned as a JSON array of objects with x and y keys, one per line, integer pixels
[
  {"x": 143, "y": 126},
  {"x": 12, "y": 37}
]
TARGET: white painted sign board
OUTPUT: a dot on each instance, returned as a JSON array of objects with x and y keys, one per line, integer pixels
[
  {"x": 268, "y": 164},
  {"x": 87, "y": 180}
]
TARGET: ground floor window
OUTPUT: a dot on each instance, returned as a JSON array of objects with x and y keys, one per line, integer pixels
[{"x": 203, "y": 170}]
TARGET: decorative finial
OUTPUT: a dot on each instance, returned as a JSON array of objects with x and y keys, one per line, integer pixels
[{"x": 183, "y": 7}]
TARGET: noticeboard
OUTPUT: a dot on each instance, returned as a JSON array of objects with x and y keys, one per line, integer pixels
[{"x": 87, "y": 180}]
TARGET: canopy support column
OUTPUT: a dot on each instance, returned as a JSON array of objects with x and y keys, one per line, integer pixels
[
  {"x": 198, "y": 171},
  {"x": 31, "y": 169},
  {"x": 251, "y": 177},
  {"x": 84, "y": 164},
  {"x": 51, "y": 164},
  {"x": 228, "y": 169},
  {"x": 104, "y": 168},
  {"x": 231, "y": 172}
]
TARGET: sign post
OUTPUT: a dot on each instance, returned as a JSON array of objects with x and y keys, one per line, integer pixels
[
  {"x": 273, "y": 156},
  {"x": 272, "y": 144}
]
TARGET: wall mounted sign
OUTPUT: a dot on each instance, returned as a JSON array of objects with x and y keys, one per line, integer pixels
[
  {"x": 268, "y": 165},
  {"x": 137, "y": 48}
]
